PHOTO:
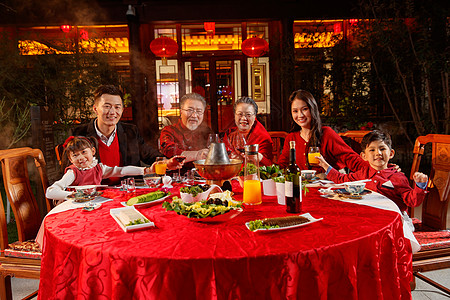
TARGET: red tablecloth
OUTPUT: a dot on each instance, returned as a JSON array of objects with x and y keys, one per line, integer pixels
[{"x": 355, "y": 252}]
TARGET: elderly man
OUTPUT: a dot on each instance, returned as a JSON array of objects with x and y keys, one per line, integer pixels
[
  {"x": 188, "y": 137},
  {"x": 250, "y": 130},
  {"x": 119, "y": 144}
]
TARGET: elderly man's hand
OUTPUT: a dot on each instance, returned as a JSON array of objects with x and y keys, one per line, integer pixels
[{"x": 195, "y": 155}]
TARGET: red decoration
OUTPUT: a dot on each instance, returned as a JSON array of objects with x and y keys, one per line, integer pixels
[
  {"x": 164, "y": 47},
  {"x": 84, "y": 35},
  {"x": 65, "y": 28},
  {"x": 337, "y": 27},
  {"x": 353, "y": 22},
  {"x": 254, "y": 47},
  {"x": 210, "y": 28}
]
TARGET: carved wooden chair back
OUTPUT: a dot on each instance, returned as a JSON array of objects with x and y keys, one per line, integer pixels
[
  {"x": 353, "y": 138},
  {"x": 435, "y": 207},
  {"x": 278, "y": 138},
  {"x": 431, "y": 233},
  {"x": 16, "y": 179},
  {"x": 20, "y": 259}
]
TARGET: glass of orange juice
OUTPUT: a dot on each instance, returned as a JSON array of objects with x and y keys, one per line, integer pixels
[
  {"x": 160, "y": 166},
  {"x": 252, "y": 192},
  {"x": 252, "y": 185},
  {"x": 313, "y": 153}
]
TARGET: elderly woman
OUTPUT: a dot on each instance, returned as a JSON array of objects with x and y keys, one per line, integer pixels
[
  {"x": 248, "y": 131},
  {"x": 309, "y": 132}
]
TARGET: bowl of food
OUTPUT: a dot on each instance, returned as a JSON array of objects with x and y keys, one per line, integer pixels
[
  {"x": 355, "y": 187},
  {"x": 308, "y": 174},
  {"x": 198, "y": 192},
  {"x": 219, "y": 207},
  {"x": 86, "y": 190}
]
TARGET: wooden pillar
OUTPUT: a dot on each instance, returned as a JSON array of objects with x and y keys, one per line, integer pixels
[
  {"x": 282, "y": 67},
  {"x": 143, "y": 77}
]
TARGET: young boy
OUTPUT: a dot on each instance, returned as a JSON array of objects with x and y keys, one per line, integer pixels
[{"x": 377, "y": 151}]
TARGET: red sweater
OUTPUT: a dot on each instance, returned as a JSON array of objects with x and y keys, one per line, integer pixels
[
  {"x": 185, "y": 139},
  {"x": 91, "y": 176},
  {"x": 398, "y": 190},
  {"x": 110, "y": 156},
  {"x": 335, "y": 151},
  {"x": 257, "y": 135}
]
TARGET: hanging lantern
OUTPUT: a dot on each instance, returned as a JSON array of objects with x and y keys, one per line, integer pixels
[
  {"x": 164, "y": 47},
  {"x": 210, "y": 28},
  {"x": 254, "y": 47},
  {"x": 337, "y": 27},
  {"x": 84, "y": 35},
  {"x": 65, "y": 28}
]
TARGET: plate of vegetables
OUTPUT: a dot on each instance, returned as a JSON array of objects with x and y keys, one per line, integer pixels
[
  {"x": 146, "y": 199},
  {"x": 198, "y": 192},
  {"x": 218, "y": 207}
]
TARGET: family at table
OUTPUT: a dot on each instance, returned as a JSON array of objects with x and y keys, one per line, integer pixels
[{"x": 106, "y": 149}]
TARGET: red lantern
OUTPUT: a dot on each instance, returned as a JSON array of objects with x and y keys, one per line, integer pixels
[
  {"x": 254, "y": 47},
  {"x": 84, "y": 35},
  {"x": 65, "y": 28},
  {"x": 164, "y": 47},
  {"x": 337, "y": 27},
  {"x": 210, "y": 28}
]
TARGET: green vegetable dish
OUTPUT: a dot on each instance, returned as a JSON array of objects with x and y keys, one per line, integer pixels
[
  {"x": 195, "y": 189},
  {"x": 201, "y": 209},
  {"x": 147, "y": 197},
  {"x": 137, "y": 222},
  {"x": 258, "y": 224}
]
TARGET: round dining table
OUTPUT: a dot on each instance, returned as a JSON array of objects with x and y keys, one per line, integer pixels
[{"x": 355, "y": 252}]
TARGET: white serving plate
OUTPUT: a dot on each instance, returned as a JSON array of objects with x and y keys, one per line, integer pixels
[
  {"x": 114, "y": 212},
  {"x": 145, "y": 204},
  {"x": 306, "y": 215}
]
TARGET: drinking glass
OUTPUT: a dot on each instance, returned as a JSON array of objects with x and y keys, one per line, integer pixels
[
  {"x": 180, "y": 159},
  {"x": 131, "y": 185},
  {"x": 124, "y": 185},
  {"x": 151, "y": 180},
  {"x": 313, "y": 153},
  {"x": 160, "y": 166},
  {"x": 212, "y": 138},
  {"x": 238, "y": 142},
  {"x": 190, "y": 177}
]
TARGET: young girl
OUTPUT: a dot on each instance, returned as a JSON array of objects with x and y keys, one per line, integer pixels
[{"x": 85, "y": 169}]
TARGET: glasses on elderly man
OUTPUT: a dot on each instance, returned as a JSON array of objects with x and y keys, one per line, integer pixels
[
  {"x": 191, "y": 111},
  {"x": 247, "y": 115}
]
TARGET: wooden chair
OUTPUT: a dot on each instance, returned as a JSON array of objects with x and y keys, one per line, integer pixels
[
  {"x": 20, "y": 259},
  {"x": 59, "y": 150},
  {"x": 432, "y": 233},
  {"x": 353, "y": 138},
  {"x": 278, "y": 138}
]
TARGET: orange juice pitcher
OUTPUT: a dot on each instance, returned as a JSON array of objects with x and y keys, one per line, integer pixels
[{"x": 252, "y": 184}]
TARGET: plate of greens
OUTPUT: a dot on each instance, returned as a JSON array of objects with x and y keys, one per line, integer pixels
[{"x": 218, "y": 208}]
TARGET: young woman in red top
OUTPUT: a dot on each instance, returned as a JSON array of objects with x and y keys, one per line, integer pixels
[{"x": 308, "y": 132}]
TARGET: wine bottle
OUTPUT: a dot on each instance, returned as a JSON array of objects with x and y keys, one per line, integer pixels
[{"x": 292, "y": 183}]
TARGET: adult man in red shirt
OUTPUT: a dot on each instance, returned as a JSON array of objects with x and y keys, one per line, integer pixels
[{"x": 188, "y": 137}]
